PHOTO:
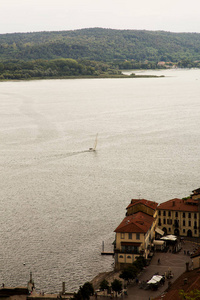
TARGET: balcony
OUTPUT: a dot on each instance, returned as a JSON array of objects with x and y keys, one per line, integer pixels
[{"x": 127, "y": 251}]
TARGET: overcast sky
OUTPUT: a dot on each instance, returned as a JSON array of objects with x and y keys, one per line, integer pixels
[{"x": 44, "y": 15}]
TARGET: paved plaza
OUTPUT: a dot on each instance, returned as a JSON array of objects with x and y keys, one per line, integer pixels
[{"x": 176, "y": 263}]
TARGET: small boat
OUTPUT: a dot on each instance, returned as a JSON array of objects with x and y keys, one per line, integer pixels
[{"x": 95, "y": 144}]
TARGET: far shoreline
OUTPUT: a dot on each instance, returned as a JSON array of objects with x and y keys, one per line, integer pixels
[{"x": 85, "y": 77}]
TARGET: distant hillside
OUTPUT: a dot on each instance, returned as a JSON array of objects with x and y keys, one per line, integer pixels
[{"x": 100, "y": 44}]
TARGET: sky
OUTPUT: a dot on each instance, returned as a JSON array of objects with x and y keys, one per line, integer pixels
[{"x": 51, "y": 15}]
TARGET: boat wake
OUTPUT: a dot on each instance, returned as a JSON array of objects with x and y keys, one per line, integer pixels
[{"x": 65, "y": 155}]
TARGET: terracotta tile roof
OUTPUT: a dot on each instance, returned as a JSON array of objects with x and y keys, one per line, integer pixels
[
  {"x": 193, "y": 283},
  {"x": 145, "y": 202},
  {"x": 191, "y": 201},
  {"x": 136, "y": 223},
  {"x": 178, "y": 205}
]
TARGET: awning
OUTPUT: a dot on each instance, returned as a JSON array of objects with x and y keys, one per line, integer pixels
[
  {"x": 158, "y": 242},
  {"x": 158, "y": 230},
  {"x": 155, "y": 279},
  {"x": 130, "y": 244},
  {"x": 169, "y": 238}
]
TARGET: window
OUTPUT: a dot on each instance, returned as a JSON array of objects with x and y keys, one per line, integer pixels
[
  {"x": 195, "y": 224},
  {"x": 176, "y": 214},
  {"x": 164, "y": 221},
  {"x": 137, "y": 236},
  {"x": 195, "y": 215},
  {"x": 122, "y": 235},
  {"x": 128, "y": 256},
  {"x": 164, "y": 213},
  {"x": 189, "y": 215},
  {"x": 159, "y": 212},
  {"x": 159, "y": 221},
  {"x": 121, "y": 256},
  {"x": 183, "y": 230},
  {"x": 169, "y": 221},
  {"x": 195, "y": 232},
  {"x": 183, "y": 222},
  {"x": 183, "y": 215},
  {"x": 189, "y": 223},
  {"x": 130, "y": 236},
  {"x": 169, "y": 229},
  {"x": 169, "y": 213}
]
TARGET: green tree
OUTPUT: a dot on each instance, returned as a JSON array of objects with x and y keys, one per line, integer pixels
[
  {"x": 84, "y": 292},
  {"x": 129, "y": 273},
  {"x": 140, "y": 262},
  {"x": 104, "y": 285},
  {"x": 116, "y": 286}
]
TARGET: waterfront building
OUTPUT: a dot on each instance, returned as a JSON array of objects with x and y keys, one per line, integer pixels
[
  {"x": 135, "y": 233},
  {"x": 180, "y": 216},
  {"x": 143, "y": 205},
  {"x": 146, "y": 221}
]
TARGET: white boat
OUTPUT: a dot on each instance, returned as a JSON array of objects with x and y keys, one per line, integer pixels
[{"x": 95, "y": 144}]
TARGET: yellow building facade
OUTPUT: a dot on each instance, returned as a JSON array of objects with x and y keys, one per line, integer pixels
[
  {"x": 135, "y": 233},
  {"x": 179, "y": 217}
]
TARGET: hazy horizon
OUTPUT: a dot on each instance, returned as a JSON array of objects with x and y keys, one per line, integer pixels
[
  {"x": 76, "y": 29},
  {"x": 24, "y": 16}
]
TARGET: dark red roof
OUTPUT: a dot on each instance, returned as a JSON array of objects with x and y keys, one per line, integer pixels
[
  {"x": 193, "y": 283},
  {"x": 178, "y": 205},
  {"x": 145, "y": 202},
  {"x": 136, "y": 223}
]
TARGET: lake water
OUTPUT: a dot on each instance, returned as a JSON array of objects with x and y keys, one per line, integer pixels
[{"x": 58, "y": 201}]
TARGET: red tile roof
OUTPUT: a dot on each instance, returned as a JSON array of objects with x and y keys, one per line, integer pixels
[
  {"x": 145, "y": 202},
  {"x": 178, "y": 205},
  {"x": 193, "y": 283},
  {"x": 136, "y": 223}
]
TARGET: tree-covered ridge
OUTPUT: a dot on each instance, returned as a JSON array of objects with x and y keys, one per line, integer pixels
[
  {"x": 56, "y": 68},
  {"x": 102, "y": 45}
]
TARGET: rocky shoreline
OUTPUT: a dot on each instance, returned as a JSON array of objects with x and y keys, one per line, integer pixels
[{"x": 109, "y": 276}]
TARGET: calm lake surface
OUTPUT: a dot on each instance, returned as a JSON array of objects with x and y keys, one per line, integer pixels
[{"x": 58, "y": 201}]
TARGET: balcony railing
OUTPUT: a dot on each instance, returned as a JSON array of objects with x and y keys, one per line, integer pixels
[{"x": 127, "y": 251}]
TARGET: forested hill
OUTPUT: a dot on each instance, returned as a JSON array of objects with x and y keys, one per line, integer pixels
[{"x": 100, "y": 44}]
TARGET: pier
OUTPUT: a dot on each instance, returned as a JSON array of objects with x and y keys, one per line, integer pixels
[{"x": 106, "y": 252}]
